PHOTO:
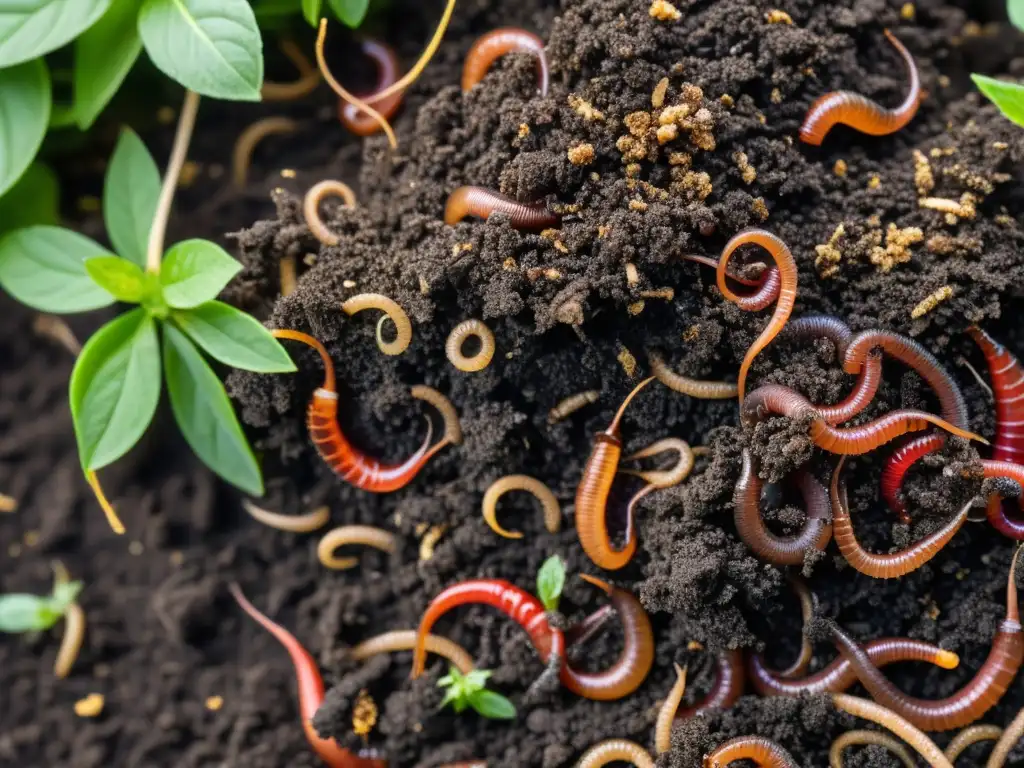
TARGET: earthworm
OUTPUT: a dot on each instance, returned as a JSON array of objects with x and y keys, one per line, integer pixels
[
  {"x": 359, "y": 122},
  {"x": 306, "y": 523},
  {"x": 571, "y": 404},
  {"x": 615, "y": 750},
  {"x": 727, "y": 687},
  {"x": 860, "y": 396},
  {"x": 518, "y": 604},
  {"x": 634, "y": 662},
  {"x": 864, "y": 737},
  {"x": 482, "y": 202},
  {"x": 452, "y": 426},
  {"x": 459, "y": 335},
  {"x": 973, "y": 700},
  {"x": 311, "y": 691},
  {"x": 74, "y": 628},
  {"x": 998, "y": 517},
  {"x": 838, "y": 676},
  {"x": 891, "y": 721},
  {"x": 780, "y": 550},
  {"x": 861, "y": 113},
  {"x": 347, "y": 535},
  {"x": 768, "y": 283},
  {"x": 241, "y": 157},
  {"x": 664, "y": 478},
  {"x": 972, "y": 734},
  {"x": 897, "y": 466},
  {"x": 667, "y": 713},
  {"x": 309, "y": 77},
  {"x": 338, "y": 88},
  {"x": 405, "y": 640},
  {"x": 763, "y": 752},
  {"x": 592, "y": 496},
  {"x": 311, "y": 207},
  {"x": 495, "y": 44},
  {"x": 803, "y": 659},
  {"x": 286, "y": 274},
  {"x": 787, "y": 293},
  {"x": 885, "y": 566},
  {"x": 1013, "y": 733},
  {"x": 1008, "y": 392},
  {"x": 774, "y": 398},
  {"x": 347, "y": 461},
  {"x": 501, "y": 486},
  {"x": 703, "y": 390},
  {"x": 390, "y": 308},
  {"x": 808, "y": 327}
]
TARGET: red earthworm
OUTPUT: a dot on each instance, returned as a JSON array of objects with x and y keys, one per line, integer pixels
[
  {"x": 727, "y": 688},
  {"x": 354, "y": 119},
  {"x": 838, "y": 675},
  {"x": 348, "y": 462},
  {"x": 582, "y": 631},
  {"x": 972, "y": 734},
  {"x": 974, "y": 699},
  {"x": 808, "y": 327},
  {"x": 998, "y": 517},
  {"x": 1008, "y": 391},
  {"x": 865, "y": 737},
  {"x": 861, "y": 113},
  {"x": 860, "y": 396},
  {"x": 886, "y": 718},
  {"x": 482, "y": 202},
  {"x": 495, "y": 44},
  {"x": 897, "y": 466},
  {"x": 774, "y": 398},
  {"x": 885, "y": 566},
  {"x": 311, "y": 691},
  {"x": 788, "y": 550},
  {"x": 768, "y": 283},
  {"x": 592, "y": 496},
  {"x": 787, "y": 291},
  {"x": 761, "y": 751},
  {"x": 633, "y": 664}
]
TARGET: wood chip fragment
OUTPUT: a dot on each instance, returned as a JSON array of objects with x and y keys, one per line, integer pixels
[
  {"x": 658, "y": 95},
  {"x": 364, "y": 714},
  {"x": 214, "y": 703},
  {"x": 775, "y": 16},
  {"x": 581, "y": 107},
  {"x": 581, "y": 154},
  {"x": 924, "y": 179},
  {"x": 90, "y": 706},
  {"x": 632, "y": 275},
  {"x": 627, "y": 361},
  {"x": 636, "y": 307},
  {"x": 8, "y": 503},
  {"x": 932, "y": 301},
  {"x": 840, "y": 168},
  {"x": 662, "y": 10},
  {"x": 964, "y": 208},
  {"x": 659, "y": 293}
]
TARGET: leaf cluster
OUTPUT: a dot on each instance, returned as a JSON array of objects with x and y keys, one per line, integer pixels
[
  {"x": 116, "y": 383},
  {"x": 1009, "y": 97},
  {"x": 470, "y": 691}
]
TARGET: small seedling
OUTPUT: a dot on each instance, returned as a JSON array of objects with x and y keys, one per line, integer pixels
[
  {"x": 470, "y": 690},
  {"x": 550, "y": 581},
  {"x": 20, "y": 613}
]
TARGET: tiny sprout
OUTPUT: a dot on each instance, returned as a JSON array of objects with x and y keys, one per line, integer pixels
[
  {"x": 470, "y": 690},
  {"x": 550, "y": 580},
  {"x": 20, "y": 613}
]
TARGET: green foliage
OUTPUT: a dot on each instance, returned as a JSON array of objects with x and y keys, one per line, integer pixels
[
  {"x": 130, "y": 193},
  {"x": 233, "y": 338},
  {"x": 29, "y": 30},
  {"x": 469, "y": 690},
  {"x": 35, "y": 199},
  {"x": 104, "y": 54},
  {"x": 194, "y": 272},
  {"x": 1015, "y": 9},
  {"x": 30, "y": 613},
  {"x": 350, "y": 12},
  {"x": 24, "y": 113},
  {"x": 311, "y": 11},
  {"x": 550, "y": 581},
  {"x": 1009, "y": 97}
]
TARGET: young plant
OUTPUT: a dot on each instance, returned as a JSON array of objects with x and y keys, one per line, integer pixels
[
  {"x": 20, "y": 613},
  {"x": 1009, "y": 97},
  {"x": 470, "y": 690},
  {"x": 550, "y": 581},
  {"x": 116, "y": 382}
]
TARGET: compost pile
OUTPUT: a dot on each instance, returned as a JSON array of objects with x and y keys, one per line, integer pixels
[{"x": 570, "y": 314}]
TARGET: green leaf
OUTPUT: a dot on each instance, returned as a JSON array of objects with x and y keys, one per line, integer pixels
[
  {"x": 44, "y": 267},
  {"x": 350, "y": 12},
  {"x": 31, "y": 28},
  {"x": 492, "y": 705},
  {"x": 1015, "y": 9},
  {"x": 64, "y": 595},
  {"x": 234, "y": 338},
  {"x": 123, "y": 279},
  {"x": 115, "y": 388},
  {"x": 104, "y": 55},
  {"x": 24, "y": 613},
  {"x": 194, "y": 272},
  {"x": 477, "y": 679},
  {"x": 35, "y": 199},
  {"x": 312, "y": 10},
  {"x": 204, "y": 413},
  {"x": 130, "y": 193},
  {"x": 24, "y": 114},
  {"x": 550, "y": 580},
  {"x": 1009, "y": 97},
  {"x": 212, "y": 47}
]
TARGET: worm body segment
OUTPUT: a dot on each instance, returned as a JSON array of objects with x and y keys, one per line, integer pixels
[
  {"x": 699, "y": 388},
  {"x": 460, "y": 334},
  {"x": 306, "y": 523},
  {"x": 1009, "y": 738},
  {"x": 664, "y": 478},
  {"x": 481, "y": 202},
  {"x": 1008, "y": 391},
  {"x": 405, "y": 640},
  {"x": 727, "y": 688},
  {"x": 391, "y": 310},
  {"x": 667, "y": 713},
  {"x": 862, "y": 737},
  {"x": 972, "y": 734},
  {"x": 357, "y": 121},
  {"x": 571, "y": 404},
  {"x": 241, "y": 157},
  {"x": 501, "y": 486},
  {"x": 347, "y": 535},
  {"x": 495, "y": 44},
  {"x": 761, "y": 751},
  {"x": 861, "y": 113},
  {"x": 888, "y": 719},
  {"x": 998, "y": 516},
  {"x": 615, "y": 750},
  {"x": 311, "y": 207},
  {"x": 71, "y": 642}
]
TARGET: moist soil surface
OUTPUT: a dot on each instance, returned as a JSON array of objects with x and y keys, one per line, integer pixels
[{"x": 164, "y": 634}]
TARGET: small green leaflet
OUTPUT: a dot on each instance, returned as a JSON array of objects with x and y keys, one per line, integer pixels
[
  {"x": 1009, "y": 97},
  {"x": 550, "y": 581},
  {"x": 34, "y": 199},
  {"x": 124, "y": 280},
  {"x": 212, "y": 47},
  {"x": 205, "y": 416},
  {"x": 25, "y": 111},
  {"x": 44, "y": 267},
  {"x": 104, "y": 54},
  {"x": 194, "y": 272},
  {"x": 234, "y": 338},
  {"x": 130, "y": 193},
  {"x": 1015, "y": 9},
  {"x": 312, "y": 10},
  {"x": 24, "y": 613},
  {"x": 29, "y": 29},
  {"x": 115, "y": 388},
  {"x": 350, "y": 12},
  {"x": 492, "y": 705}
]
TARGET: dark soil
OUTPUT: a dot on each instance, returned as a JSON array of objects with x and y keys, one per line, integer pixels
[{"x": 166, "y": 611}]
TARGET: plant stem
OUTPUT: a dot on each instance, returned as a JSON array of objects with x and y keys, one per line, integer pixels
[{"x": 186, "y": 122}]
